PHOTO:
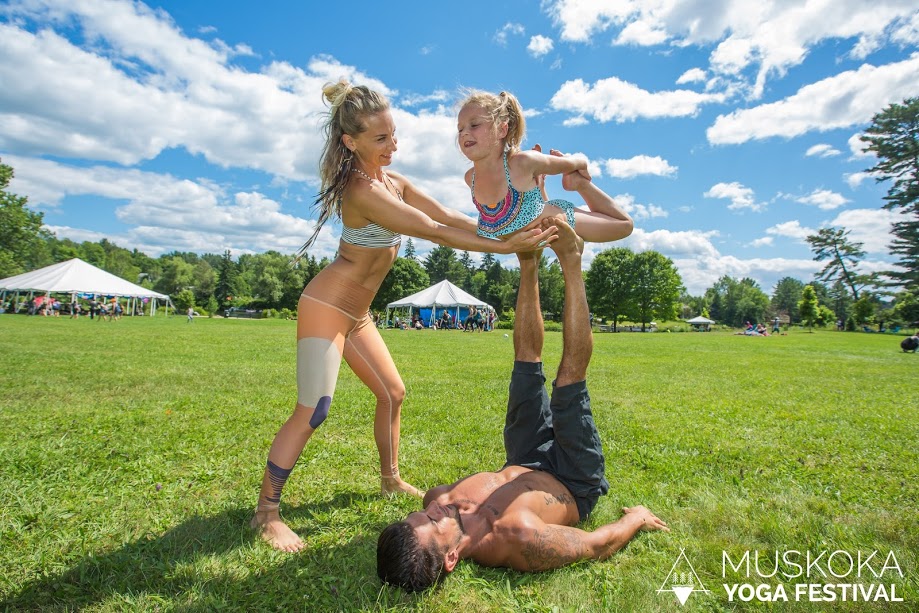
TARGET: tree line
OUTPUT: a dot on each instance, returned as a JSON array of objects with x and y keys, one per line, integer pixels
[{"x": 621, "y": 285}]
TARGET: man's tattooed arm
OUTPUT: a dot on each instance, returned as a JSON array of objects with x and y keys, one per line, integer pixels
[{"x": 550, "y": 546}]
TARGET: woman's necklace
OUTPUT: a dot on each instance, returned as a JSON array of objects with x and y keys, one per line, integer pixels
[{"x": 386, "y": 180}]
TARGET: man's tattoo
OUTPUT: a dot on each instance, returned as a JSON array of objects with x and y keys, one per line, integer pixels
[
  {"x": 559, "y": 499},
  {"x": 553, "y": 548}
]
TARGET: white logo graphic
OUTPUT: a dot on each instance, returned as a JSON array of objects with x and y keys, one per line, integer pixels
[{"x": 682, "y": 579}]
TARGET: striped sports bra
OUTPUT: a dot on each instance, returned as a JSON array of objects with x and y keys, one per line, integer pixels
[
  {"x": 516, "y": 211},
  {"x": 372, "y": 235}
]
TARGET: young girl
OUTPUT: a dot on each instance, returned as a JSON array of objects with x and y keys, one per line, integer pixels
[{"x": 490, "y": 130}]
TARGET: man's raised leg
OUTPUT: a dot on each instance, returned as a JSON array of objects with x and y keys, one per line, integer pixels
[
  {"x": 578, "y": 453},
  {"x": 577, "y": 338},
  {"x": 528, "y": 325},
  {"x": 528, "y": 423}
]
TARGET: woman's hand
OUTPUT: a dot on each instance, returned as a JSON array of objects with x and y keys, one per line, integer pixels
[{"x": 530, "y": 239}]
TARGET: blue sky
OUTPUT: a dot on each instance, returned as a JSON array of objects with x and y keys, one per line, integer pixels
[{"x": 728, "y": 129}]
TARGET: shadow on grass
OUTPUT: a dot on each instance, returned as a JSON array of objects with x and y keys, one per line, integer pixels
[{"x": 167, "y": 571}]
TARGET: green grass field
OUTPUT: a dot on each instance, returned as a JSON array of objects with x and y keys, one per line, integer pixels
[{"x": 132, "y": 451}]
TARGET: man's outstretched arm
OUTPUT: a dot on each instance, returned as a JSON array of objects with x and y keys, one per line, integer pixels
[{"x": 542, "y": 546}]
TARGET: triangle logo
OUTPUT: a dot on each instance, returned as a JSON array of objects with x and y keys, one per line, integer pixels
[{"x": 682, "y": 579}]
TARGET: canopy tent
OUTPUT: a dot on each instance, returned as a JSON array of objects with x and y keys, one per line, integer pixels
[
  {"x": 700, "y": 322},
  {"x": 443, "y": 295},
  {"x": 77, "y": 277}
]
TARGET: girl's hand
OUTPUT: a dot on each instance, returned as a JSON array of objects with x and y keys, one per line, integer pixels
[
  {"x": 530, "y": 239},
  {"x": 574, "y": 180}
]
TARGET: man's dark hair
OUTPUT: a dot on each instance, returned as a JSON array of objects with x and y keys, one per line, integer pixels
[{"x": 402, "y": 561}]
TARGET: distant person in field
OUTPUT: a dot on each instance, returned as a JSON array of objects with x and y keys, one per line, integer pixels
[
  {"x": 522, "y": 516},
  {"x": 375, "y": 207}
]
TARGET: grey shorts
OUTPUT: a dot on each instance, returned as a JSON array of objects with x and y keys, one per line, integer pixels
[{"x": 556, "y": 435}]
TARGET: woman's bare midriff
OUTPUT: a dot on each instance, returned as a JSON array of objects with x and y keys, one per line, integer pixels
[{"x": 366, "y": 266}]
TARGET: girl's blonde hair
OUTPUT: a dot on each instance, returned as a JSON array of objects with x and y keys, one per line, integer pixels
[
  {"x": 349, "y": 105},
  {"x": 501, "y": 108}
]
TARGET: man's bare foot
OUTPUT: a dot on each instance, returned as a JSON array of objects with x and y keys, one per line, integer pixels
[
  {"x": 572, "y": 181},
  {"x": 273, "y": 529},
  {"x": 569, "y": 244},
  {"x": 390, "y": 486}
]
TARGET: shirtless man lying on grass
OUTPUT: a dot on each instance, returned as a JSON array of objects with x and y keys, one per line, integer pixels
[{"x": 522, "y": 517}]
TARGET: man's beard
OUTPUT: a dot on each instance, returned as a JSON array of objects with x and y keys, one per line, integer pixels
[{"x": 455, "y": 514}]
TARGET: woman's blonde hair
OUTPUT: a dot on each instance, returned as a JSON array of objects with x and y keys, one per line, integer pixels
[
  {"x": 501, "y": 108},
  {"x": 349, "y": 105}
]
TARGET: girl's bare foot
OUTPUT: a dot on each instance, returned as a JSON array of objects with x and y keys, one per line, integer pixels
[
  {"x": 273, "y": 529},
  {"x": 390, "y": 486},
  {"x": 571, "y": 181}
]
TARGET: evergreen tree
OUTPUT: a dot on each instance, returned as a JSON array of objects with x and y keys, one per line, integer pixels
[
  {"x": 409, "y": 249},
  {"x": 786, "y": 295},
  {"x": 893, "y": 137},
  {"x": 442, "y": 264},
  {"x": 833, "y": 244},
  {"x": 227, "y": 281}
]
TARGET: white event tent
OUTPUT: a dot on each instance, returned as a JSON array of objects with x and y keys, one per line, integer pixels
[
  {"x": 443, "y": 295},
  {"x": 77, "y": 277},
  {"x": 701, "y": 323}
]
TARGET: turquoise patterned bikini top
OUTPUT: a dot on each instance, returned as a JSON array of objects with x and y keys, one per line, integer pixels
[{"x": 509, "y": 215}]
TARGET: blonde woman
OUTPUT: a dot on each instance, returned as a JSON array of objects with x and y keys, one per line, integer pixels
[{"x": 375, "y": 207}]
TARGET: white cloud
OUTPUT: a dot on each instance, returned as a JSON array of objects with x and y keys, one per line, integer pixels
[
  {"x": 638, "y": 211},
  {"x": 823, "y": 199},
  {"x": 741, "y": 197},
  {"x": 639, "y": 165},
  {"x": 693, "y": 75},
  {"x": 855, "y": 179},
  {"x": 539, "y": 45},
  {"x": 871, "y": 227},
  {"x": 642, "y": 34},
  {"x": 701, "y": 273},
  {"x": 859, "y": 148},
  {"x": 906, "y": 31},
  {"x": 849, "y": 98},
  {"x": 765, "y": 241},
  {"x": 760, "y": 39},
  {"x": 161, "y": 208},
  {"x": 822, "y": 150},
  {"x": 613, "y": 99},
  {"x": 578, "y": 120},
  {"x": 179, "y": 93},
  {"x": 438, "y": 95},
  {"x": 791, "y": 229},
  {"x": 508, "y": 29}
]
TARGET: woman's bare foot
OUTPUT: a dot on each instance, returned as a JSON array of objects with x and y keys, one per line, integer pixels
[
  {"x": 273, "y": 529},
  {"x": 390, "y": 486}
]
